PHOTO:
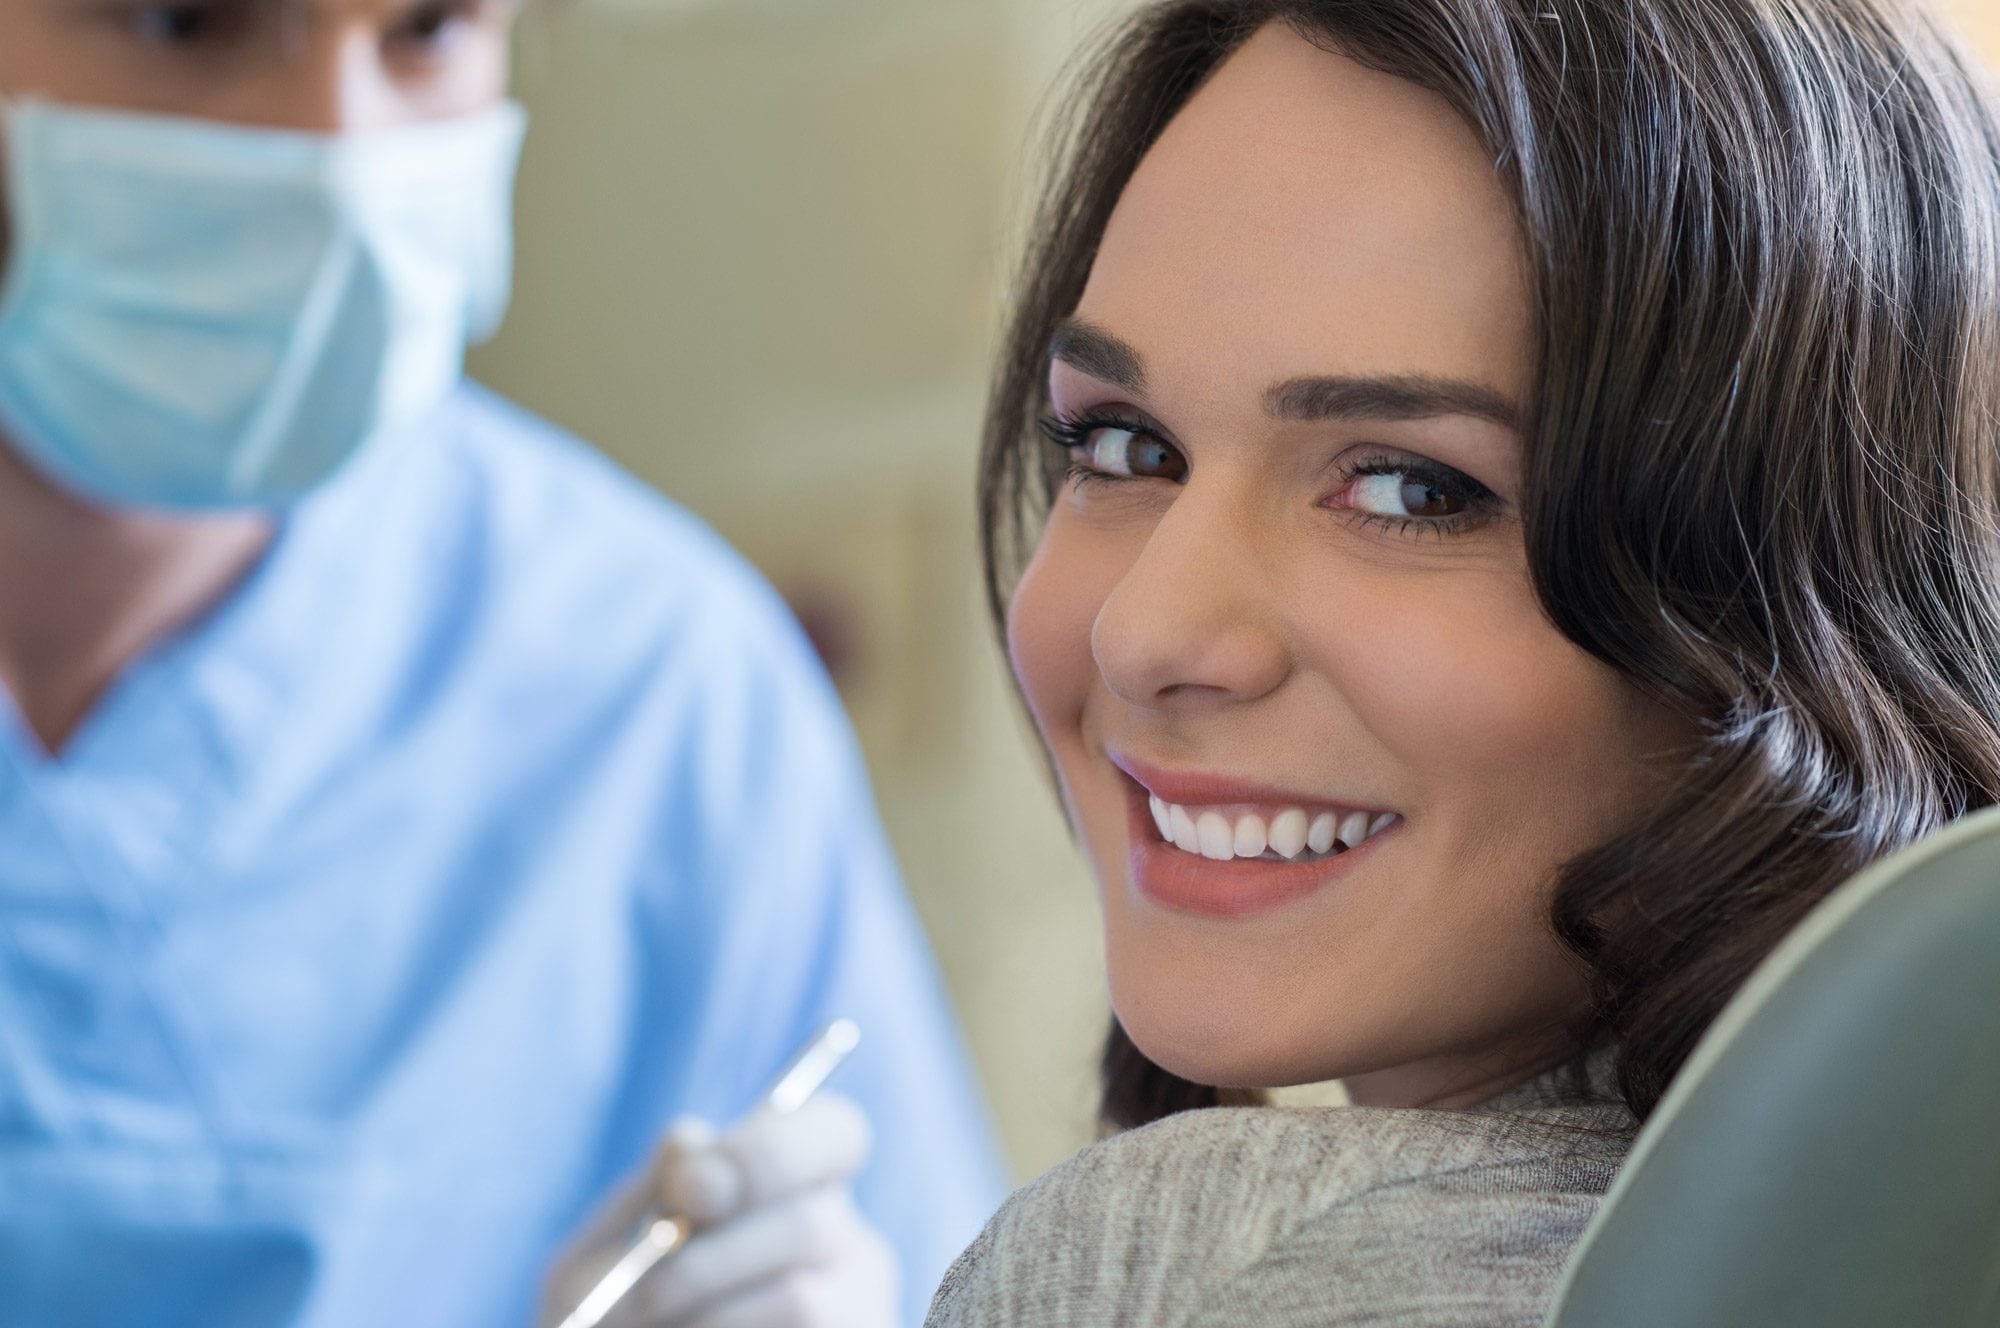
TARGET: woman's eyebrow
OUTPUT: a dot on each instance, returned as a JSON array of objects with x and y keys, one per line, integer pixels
[
  {"x": 1090, "y": 349},
  {"x": 1388, "y": 397}
]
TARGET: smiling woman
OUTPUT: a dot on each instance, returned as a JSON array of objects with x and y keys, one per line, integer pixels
[
  {"x": 1493, "y": 507},
  {"x": 1284, "y": 590}
]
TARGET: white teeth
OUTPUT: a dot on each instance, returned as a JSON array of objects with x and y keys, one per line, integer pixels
[
  {"x": 1291, "y": 834},
  {"x": 1218, "y": 841},
  {"x": 1288, "y": 833},
  {"x": 1354, "y": 829}
]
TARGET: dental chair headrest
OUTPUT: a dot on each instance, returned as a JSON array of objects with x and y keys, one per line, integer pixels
[{"x": 1830, "y": 1155}]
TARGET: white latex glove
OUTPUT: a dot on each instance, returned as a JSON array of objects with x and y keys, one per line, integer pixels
[{"x": 778, "y": 1241}]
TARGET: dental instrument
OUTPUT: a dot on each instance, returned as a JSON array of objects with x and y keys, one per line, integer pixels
[{"x": 664, "y": 1234}]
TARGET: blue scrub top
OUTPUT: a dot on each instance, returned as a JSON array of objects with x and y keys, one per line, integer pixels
[{"x": 370, "y": 931}]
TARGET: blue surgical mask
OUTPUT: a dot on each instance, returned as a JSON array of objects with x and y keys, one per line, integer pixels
[{"x": 205, "y": 316}]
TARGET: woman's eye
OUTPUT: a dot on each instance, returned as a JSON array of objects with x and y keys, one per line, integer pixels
[
  {"x": 1130, "y": 454},
  {"x": 1105, "y": 447},
  {"x": 1410, "y": 492}
]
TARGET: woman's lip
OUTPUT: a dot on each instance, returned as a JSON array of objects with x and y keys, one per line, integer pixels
[
  {"x": 1194, "y": 789},
  {"x": 1238, "y": 888}
]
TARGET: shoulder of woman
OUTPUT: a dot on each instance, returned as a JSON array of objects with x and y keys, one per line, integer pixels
[{"x": 1140, "y": 1227}]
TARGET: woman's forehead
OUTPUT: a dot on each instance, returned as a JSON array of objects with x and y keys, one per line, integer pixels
[{"x": 1306, "y": 215}]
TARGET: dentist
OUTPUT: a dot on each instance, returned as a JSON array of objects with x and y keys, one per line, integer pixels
[{"x": 403, "y": 816}]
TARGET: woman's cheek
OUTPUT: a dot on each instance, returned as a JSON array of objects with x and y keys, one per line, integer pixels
[
  {"x": 1503, "y": 728},
  {"x": 1049, "y": 621},
  {"x": 1049, "y": 625},
  {"x": 1443, "y": 667}
]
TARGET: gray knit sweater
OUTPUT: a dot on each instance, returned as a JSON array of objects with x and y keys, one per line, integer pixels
[{"x": 1267, "y": 1217}]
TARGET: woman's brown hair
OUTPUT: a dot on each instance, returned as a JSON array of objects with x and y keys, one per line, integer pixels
[{"x": 1760, "y": 477}]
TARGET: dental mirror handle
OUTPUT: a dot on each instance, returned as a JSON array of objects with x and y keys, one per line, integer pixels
[{"x": 815, "y": 1062}]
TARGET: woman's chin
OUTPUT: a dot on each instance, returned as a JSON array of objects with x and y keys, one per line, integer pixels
[{"x": 1222, "y": 1054}]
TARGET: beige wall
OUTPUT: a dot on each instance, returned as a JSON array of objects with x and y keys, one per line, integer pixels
[
  {"x": 762, "y": 244},
  {"x": 1979, "y": 18}
]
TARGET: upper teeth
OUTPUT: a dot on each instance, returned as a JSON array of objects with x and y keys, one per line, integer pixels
[{"x": 1289, "y": 834}]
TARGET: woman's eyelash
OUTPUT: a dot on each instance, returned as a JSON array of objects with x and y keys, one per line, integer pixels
[
  {"x": 1428, "y": 472},
  {"x": 1073, "y": 431},
  {"x": 1480, "y": 502}
]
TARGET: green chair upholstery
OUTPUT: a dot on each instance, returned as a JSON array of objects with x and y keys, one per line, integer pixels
[{"x": 1830, "y": 1155}]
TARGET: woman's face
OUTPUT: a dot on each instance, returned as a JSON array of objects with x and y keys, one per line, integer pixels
[{"x": 1324, "y": 749}]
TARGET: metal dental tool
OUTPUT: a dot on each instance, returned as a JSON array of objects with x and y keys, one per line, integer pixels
[{"x": 664, "y": 1234}]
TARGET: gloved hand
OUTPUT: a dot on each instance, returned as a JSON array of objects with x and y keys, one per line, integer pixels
[{"x": 778, "y": 1242}]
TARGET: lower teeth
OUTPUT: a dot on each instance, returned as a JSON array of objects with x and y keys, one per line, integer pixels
[
  {"x": 1270, "y": 855},
  {"x": 1306, "y": 856}
]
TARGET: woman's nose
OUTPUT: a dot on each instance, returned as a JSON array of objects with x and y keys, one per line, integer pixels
[{"x": 1193, "y": 622}]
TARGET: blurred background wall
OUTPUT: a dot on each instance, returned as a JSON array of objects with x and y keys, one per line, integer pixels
[
  {"x": 763, "y": 246},
  {"x": 1980, "y": 18}
]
